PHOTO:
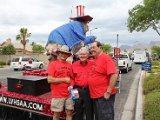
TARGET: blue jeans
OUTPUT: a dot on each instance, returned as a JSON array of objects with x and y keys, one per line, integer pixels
[{"x": 104, "y": 109}]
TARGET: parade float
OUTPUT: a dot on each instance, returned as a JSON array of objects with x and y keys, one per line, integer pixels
[{"x": 28, "y": 96}]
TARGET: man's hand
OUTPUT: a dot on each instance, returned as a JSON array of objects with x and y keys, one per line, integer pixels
[
  {"x": 107, "y": 95},
  {"x": 69, "y": 88}
]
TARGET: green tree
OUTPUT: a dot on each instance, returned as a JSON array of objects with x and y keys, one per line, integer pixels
[
  {"x": 33, "y": 43},
  {"x": 38, "y": 48},
  {"x": 106, "y": 48},
  {"x": 156, "y": 51},
  {"x": 8, "y": 50},
  {"x": 144, "y": 16},
  {"x": 23, "y": 37}
]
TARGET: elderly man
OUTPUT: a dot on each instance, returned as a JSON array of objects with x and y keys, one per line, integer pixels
[
  {"x": 83, "y": 105},
  {"x": 102, "y": 80}
]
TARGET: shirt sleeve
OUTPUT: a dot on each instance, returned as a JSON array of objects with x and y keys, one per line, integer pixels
[
  {"x": 110, "y": 66},
  {"x": 51, "y": 69}
]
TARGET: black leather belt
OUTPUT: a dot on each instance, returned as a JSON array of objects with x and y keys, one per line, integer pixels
[{"x": 81, "y": 87}]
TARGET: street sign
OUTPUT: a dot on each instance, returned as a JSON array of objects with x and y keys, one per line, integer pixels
[
  {"x": 147, "y": 66},
  {"x": 117, "y": 52}
]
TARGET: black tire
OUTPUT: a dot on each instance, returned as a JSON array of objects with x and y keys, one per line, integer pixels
[
  {"x": 41, "y": 66},
  {"x": 131, "y": 68},
  {"x": 126, "y": 70},
  {"x": 15, "y": 69}
]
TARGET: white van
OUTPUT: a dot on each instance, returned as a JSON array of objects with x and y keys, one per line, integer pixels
[{"x": 139, "y": 56}]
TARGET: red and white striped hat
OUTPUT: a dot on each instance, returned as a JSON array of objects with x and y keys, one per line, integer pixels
[{"x": 80, "y": 15}]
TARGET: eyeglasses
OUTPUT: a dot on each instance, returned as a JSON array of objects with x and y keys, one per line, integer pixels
[{"x": 94, "y": 47}]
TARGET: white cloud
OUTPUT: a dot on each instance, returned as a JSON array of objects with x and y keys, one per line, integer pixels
[{"x": 42, "y": 16}]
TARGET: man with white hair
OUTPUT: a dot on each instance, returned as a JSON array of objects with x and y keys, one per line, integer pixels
[{"x": 83, "y": 105}]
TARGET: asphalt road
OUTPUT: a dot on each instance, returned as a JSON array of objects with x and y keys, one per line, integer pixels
[
  {"x": 7, "y": 72},
  {"x": 126, "y": 82}
]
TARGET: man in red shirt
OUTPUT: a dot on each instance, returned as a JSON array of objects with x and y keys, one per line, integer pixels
[
  {"x": 102, "y": 80},
  {"x": 60, "y": 76},
  {"x": 83, "y": 105}
]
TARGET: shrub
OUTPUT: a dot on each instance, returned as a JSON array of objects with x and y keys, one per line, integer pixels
[
  {"x": 2, "y": 63},
  {"x": 152, "y": 83},
  {"x": 152, "y": 93},
  {"x": 155, "y": 63},
  {"x": 152, "y": 106},
  {"x": 155, "y": 66},
  {"x": 155, "y": 70}
]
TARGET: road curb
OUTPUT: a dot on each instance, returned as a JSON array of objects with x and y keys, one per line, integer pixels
[
  {"x": 139, "y": 105},
  {"x": 129, "y": 107}
]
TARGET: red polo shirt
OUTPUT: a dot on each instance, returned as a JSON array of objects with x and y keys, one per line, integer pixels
[
  {"x": 59, "y": 69},
  {"x": 81, "y": 73},
  {"x": 99, "y": 77}
]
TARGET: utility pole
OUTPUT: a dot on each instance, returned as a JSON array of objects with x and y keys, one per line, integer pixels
[
  {"x": 118, "y": 50},
  {"x": 117, "y": 40}
]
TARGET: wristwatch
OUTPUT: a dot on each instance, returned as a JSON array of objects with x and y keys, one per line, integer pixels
[{"x": 108, "y": 93}]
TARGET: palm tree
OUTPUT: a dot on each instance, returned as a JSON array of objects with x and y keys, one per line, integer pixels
[{"x": 22, "y": 36}]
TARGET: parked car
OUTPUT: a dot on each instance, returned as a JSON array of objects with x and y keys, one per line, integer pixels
[
  {"x": 124, "y": 62},
  {"x": 27, "y": 63}
]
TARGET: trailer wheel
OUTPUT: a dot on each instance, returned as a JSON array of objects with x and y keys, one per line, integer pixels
[
  {"x": 126, "y": 70},
  {"x": 41, "y": 66}
]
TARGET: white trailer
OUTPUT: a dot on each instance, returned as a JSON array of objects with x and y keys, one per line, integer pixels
[{"x": 140, "y": 56}]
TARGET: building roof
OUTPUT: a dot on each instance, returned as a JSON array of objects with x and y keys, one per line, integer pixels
[{"x": 16, "y": 44}]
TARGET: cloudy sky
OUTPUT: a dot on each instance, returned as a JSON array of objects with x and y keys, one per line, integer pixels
[{"x": 40, "y": 17}]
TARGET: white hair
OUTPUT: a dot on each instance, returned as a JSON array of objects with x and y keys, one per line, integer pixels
[{"x": 84, "y": 49}]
